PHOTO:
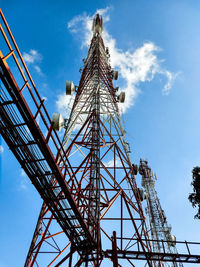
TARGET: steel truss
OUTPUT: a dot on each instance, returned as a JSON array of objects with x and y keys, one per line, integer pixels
[
  {"x": 87, "y": 182},
  {"x": 159, "y": 227}
]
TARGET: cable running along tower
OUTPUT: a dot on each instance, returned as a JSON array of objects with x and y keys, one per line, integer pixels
[{"x": 92, "y": 212}]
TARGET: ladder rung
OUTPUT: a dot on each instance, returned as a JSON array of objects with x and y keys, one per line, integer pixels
[
  {"x": 13, "y": 126},
  {"x": 9, "y": 102},
  {"x": 36, "y": 160},
  {"x": 43, "y": 175},
  {"x": 65, "y": 209},
  {"x": 24, "y": 145}
]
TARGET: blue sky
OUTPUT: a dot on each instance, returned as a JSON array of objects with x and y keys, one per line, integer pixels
[{"x": 161, "y": 127}]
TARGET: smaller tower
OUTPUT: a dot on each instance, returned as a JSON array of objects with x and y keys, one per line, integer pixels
[{"x": 159, "y": 227}]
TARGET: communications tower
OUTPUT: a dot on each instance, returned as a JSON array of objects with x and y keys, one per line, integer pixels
[
  {"x": 92, "y": 212},
  {"x": 103, "y": 183},
  {"x": 160, "y": 229}
]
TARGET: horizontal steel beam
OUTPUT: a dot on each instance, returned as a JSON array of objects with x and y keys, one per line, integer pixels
[{"x": 154, "y": 256}]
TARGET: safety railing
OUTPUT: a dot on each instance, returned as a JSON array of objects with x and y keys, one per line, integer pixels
[{"x": 188, "y": 252}]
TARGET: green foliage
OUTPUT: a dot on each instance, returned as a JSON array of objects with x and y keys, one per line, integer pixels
[{"x": 194, "y": 197}]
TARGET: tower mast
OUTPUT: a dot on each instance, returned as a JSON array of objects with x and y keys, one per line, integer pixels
[
  {"x": 160, "y": 229},
  {"x": 104, "y": 185}
]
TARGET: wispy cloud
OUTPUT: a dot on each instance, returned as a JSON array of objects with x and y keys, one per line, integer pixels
[
  {"x": 110, "y": 163},
  {"x": 135, "y": 67},
  {"x": 170, "y": 79},
  {"x": 33, "y": 57},
  {"x": 64, "y": 104},
  {"x": 23, "y": 181},
  {"x": 22, "y": 173},
  {"x": 1, "y": 149},
  {"x": 38, "y": 70}
]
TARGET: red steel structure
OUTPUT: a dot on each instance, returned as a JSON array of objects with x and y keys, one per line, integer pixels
[
  {"x": 159, "y": 227},
  {"x": 92, "y": 211}
]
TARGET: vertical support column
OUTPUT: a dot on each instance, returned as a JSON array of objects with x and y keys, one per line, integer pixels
[
  {"x": 114, "y": 250},
  {"x": 71, "y": 254},
  {"x": 94, "y": 202}
]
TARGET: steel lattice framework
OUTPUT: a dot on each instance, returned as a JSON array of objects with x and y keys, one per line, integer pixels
[
  {"x": 92, "y": 211},
  {"x": 160, "y": 229}
]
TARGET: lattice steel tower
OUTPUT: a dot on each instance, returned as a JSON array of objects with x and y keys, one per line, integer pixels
[
  {"x": 103, "y": 183},
  {"x": 160, "y": 229}
]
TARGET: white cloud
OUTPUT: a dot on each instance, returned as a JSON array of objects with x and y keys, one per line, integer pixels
[
  {"x": 22, "y": 173},
  {"x": 1, "y": 149},
  {"x": 135, "y": 67},
  {"x": 32, "y": 57},
  {"x": 72, "y": 24},
  {"x": 44, "y": 98},
  {"x": 170, "y": 79},
  {"x": 38, "y": 119},
  {"x": 23, "y": 185},
  {"x": 38, "y": 70},
  {"x": 64, "y": 104},
  {"x": 110, "y": 163}
]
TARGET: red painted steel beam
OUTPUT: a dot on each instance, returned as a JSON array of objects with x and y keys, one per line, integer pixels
[{"x": 114, "y": 249}]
